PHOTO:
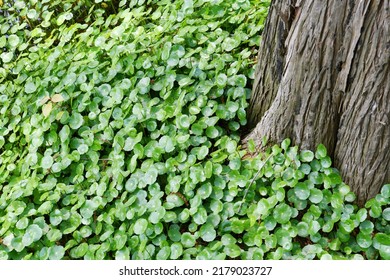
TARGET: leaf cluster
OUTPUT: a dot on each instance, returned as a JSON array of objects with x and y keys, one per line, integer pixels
[{"x": 119, "y": 139}]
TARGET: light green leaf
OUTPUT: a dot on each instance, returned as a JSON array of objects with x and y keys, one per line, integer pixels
[
  {"x": 321, "y": 151},
  {"x": 140, "y": 226},
  {"x": 207, "y": 232},
  {"x": 30, "y": 87},
  {"x": 302, "y": 191},
  {"x": 76, "y": 120},
  {"x": 282, "y": 213},
  {"x": 306, "y": 156},
  {"x": 47, "y": 162},
  {"x": 176, "y": 251},
  {"x": 56, "y": 252},
  {"x": 13, "y": 40},
  {"x": 33, "y": 233}
]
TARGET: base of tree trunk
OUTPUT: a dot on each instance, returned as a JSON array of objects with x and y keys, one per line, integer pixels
[{"x": 323, "y": 77}]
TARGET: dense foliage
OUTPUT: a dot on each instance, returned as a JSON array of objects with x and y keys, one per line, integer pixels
[{"x": 119, "y": 139}]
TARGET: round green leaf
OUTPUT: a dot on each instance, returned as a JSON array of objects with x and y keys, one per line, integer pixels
[
  {"x": 200, "y": 216},
  {"x": 366, "y": 227},
  {"x": 364, "y": 240},
  {"x": 231, "y": 146},
  {"x": 79, "y": 251},
  {"x": 282, "y": 213},
  {"x": 22, "y": 223},
  {"x": 303, "y": 229},
  {"x": 176, "y": 251},
  {"x": 140, "y": 226},
  {"x": 202, "y": 152},
  {"x": 76, "y": 120},
  {"x": 164, "y": 253},
  {"x": 143, "y": 85},
  {"x": 302, "y": 191},
  {"x": 82, "y": 149},
  {"x": 30, "y": 87},
  {"x": 13, "y": 40},
  {"x": 56, "y": 252},
  {"x": 174, "y": 201},
  {"x": 316, "y": 196},
  {"x": 184, "y": 121},
  {"x": 385, "y": 191},
  {"x": 221, "y": 80},
  {"x": 174, "y": 233},
  {"x": 188, "y": 240},
  {"x": 386, "y": 214},
  {"x": 381, "y": 242},
  {"x": 232, "y": 250},
  {"x": 151, "y": 175},
  {"x": 207, "y": 232},
  {"x": 232, "y": 106},
  {"x": 212, "y": 132},
  {"x": 347, "y": 225},
  {"x": 47, "y": 162},
  {"x": 321, "y": 151},
  {"x": 326, "y": 162},
  {"x": 306, "y": 156},
  {"x": 33, "y": 233}
]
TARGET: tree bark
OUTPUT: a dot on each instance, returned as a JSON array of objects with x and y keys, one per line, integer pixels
[{"x": 323, "y": 77}]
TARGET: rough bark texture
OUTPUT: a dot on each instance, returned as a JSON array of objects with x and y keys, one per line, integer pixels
[{"x": 323, "y": 77}]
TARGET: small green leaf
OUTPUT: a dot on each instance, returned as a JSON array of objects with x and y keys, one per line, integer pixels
[
  {"x": 184, "y": 121},
  {"x": 82, "y": 149},
  {"x": 364, "y": 240},
  {"x": 30, "y": 87},
  {"x": 7, "y": 57},
  {"x": 232, "y": 250},
  {"x": 321, "y": 151},
  {"x": 151, "y": 175},
  {"x": 282, "y": 213},
  {"x": 143, "y": 85},
  {"x": 79, "y": 251},
  {"x": 231, "y": 146},
  {"x": 385, "y": 191},
  {"x": 326, "y": 162},
  {"x": 285, "y": 144},
  {"x": 174, "y": 201},
  {"x": 202, "y": 152},
  {"x": 386, "y": 214},
  {"x": 302, "y": 191},
  {"x": 164, "y": 253},
  {"x": 22, "y": 223},
  {"x": 140, "y": 226},
  {"x": 306, "y": 156},
  {"x": 212, "y": 132},
  {"x": 229, "y": 44},
  {"x": 381, "y": 242},
  {"x": 303, "y": 229},
  {"x": 207, "y": 232},
  {"x": 221, "y": 80},
  {"x": 47, "y": 162},
  {"x": 316, "y": 196},
  {"x": 200, "y": 216},
  {"x": 176, "y": 251},
  {"x": 166, "y": 50},
  {"x": 76, "y": 120},
  {"x": 33, "y": 233},
  {"x": 232, "y": 106},
  {"x": 347, "y": 225},
  {"x": 188, "y": 240},
  {"x": 13, "y": 40},
  {"x": 56, "y": 252}
]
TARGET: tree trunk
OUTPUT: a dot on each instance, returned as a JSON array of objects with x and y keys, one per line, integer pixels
[{"x": 323, "y": 77}]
